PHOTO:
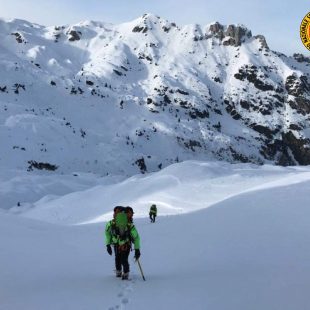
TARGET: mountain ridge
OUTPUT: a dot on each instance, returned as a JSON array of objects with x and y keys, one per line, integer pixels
[{"x": 138, "y": 96}]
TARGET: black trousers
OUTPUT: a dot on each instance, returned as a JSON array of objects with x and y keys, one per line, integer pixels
[
  {"x": 121, "y": 259},
  {"x": 152, "y": 217}
]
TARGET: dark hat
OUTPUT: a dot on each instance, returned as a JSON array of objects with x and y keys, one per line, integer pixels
[
  {"x": 129, "y": 209},
  {"x": 120, "y": 208}
]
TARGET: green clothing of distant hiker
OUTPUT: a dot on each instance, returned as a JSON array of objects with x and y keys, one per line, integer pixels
[{"x": 153, "y": 213}]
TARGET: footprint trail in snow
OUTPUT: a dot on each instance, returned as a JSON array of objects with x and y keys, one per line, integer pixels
[{"x": 126, "y": 287}]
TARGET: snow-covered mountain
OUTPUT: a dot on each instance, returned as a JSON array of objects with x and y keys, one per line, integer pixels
[{"x": 120, "y": 99}]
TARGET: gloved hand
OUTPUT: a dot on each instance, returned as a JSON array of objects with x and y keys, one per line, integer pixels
[
  {"x": 137, "y": 254},
  {"x": 109, "y": 249}
]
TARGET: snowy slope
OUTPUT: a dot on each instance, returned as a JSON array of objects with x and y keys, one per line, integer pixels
[
  {"x": 177, "y": 189},
  {"x": 248, "y": 250},
  {"x": 139, "y": 96}
]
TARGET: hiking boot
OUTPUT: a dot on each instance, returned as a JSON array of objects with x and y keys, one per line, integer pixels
[
  {"x": 125, "y": 276},
  {"x": 118, "y": 273}
]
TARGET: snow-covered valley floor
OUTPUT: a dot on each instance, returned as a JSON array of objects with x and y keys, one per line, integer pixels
[{"x": 227, "y": 237}]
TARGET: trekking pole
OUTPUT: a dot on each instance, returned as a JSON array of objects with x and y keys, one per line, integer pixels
[{"x": 137, "y": 260}]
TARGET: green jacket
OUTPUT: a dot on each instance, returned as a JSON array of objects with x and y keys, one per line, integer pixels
[
  {"x": 153, "y": 210},
  {"x": 112, "y": 238}
]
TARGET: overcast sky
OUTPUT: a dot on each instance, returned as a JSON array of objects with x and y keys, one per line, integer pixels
[{"x": 277, "y": 20}]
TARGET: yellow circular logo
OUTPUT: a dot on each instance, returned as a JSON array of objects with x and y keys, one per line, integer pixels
[{"x": 305, "y": 31}]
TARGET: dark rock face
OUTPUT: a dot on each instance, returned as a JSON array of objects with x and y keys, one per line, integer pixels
[
  {"x": 41, "y": 166},
  {"x": 295, "y": 127},
  {"x": 74, "y": 35},
  {"x": 238, "y": 156},
  {"x": 195, "y": 113},
  {"x": 267, "y": 132},
  {"x": 18, "y": 37},
  {"x": 140, "y": 29},
  {"x": 117, "y": 72},
  {"x": 301, "y": 58},
  {"x": 230, "y": 42},
  {"x": 141, "y": 164},
  {"x": 284, "y": 146},
  {"x": 301, "y": 105},
  {"x": 17, "y": 87},
  {"x": 166, "y": 28},
  {"x": 262, "y": 41},
  {"x": 217, "y": 30},
  {"x": 250, "y": 73},
  {"x": 231, "y": 109},
  {"x": 245, "y": 104},
  {"x": 237, "y": 34},
  {"x": 288, "y": 151},
  {"x": 88, "y": 82},
  {"x": 298, "y": 147},
  {"x": 297, "y": 86},
  {"x": 234, "y": 35},
  {"x": 299, "y": 89}
]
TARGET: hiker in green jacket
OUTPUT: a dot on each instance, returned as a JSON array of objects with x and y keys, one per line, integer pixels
[
  {"x": 121, "y": 233},
  {"x": 153, "y": 213}
]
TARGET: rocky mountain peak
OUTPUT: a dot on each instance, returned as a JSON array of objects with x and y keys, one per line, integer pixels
[
  {"x": 144, "y": 94},
  {"x": 233, "y": 35},
  {"x": 153, "y": 23},
  {"x": 237, "y": 34}
]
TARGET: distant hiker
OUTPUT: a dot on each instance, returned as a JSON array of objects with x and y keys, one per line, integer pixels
[
  {"x": 121, "y": 232},
  {"x": 153, "y": 213}
]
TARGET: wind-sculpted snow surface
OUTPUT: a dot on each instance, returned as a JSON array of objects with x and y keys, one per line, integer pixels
[
  {"x": 177, "y": 189},
  {"x": 247, "y": 250}
]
